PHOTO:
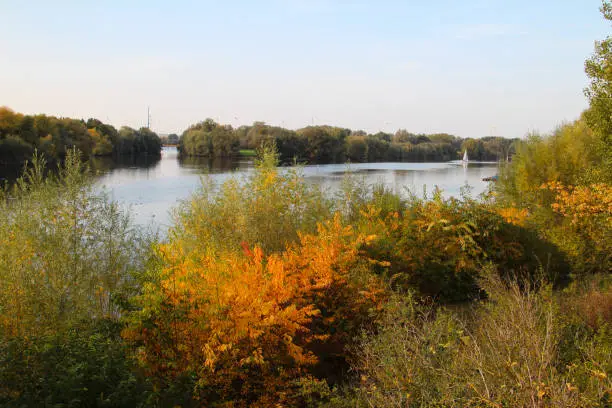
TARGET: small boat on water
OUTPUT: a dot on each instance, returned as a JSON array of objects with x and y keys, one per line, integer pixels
[
  {"x": 464, "y": 161},
  {"x": 492, "y": 178}
]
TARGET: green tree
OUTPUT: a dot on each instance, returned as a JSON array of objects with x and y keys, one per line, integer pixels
[
  {"x": 599, "y": 115},
  {"x": 357, "y": 149},
  {"x": 209, "y": 139},
  {"x": 599, "y": 70}
]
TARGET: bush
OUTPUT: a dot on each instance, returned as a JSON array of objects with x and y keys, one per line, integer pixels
[
  {"x": 562, "y": 183},
  {"x": 439, "y": 246},
  {"x": 69, "y": 260},
  {"x": 248, "y": 329},
  {"x": 581, "y": 225},
  {"x": 508, "y": 352},
  {"x": 66, "y": 252},
  {"x": 267, "y": 209},
  {"x": 570, "y": 156},
  {"x": 87, "y": 366}
]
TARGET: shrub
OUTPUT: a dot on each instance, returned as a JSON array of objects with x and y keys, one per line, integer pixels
[
  {"x": 508, "y": 352},
  {"x": 267, "y": 208},
  {"x": 69, "y": 260},
  {"x": 570, "y": 156},
  {"x": 438, "y": 247},
  {"x": 87, "y": 366},
  {"x": 248, "y": 328},
  {"x": 562, "y": 182},
  {"x": 582, "y": 225},
  {"x": 66, "y": 252}
]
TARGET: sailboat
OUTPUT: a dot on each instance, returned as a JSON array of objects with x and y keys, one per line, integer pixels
[{"x": 465, "y": 157}]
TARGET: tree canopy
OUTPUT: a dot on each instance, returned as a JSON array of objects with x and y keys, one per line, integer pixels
[
  {"x": 331, "y": 144},
  {"x": 21, "y": 134}
]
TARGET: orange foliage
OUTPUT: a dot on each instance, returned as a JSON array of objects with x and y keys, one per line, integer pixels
[
  {"x": 582, "y": 201},
  {"x": 513, "y": 215},
  {"x": 247, "y": 326},
  {"x": 586, "y": 228}
]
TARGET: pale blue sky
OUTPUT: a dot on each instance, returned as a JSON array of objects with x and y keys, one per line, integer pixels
[{"x": 471, "y": 67}]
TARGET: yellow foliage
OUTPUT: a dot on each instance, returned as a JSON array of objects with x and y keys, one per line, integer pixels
[
  {"x": 252, "y": 318},
  {"x": 513, "y": 215},
  {"x": 584, "y": 226},
  {"x": 582, "y": 201}
]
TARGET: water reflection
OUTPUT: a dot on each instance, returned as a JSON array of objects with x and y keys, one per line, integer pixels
[
  {"x": 106, "y": 164},
  {"x": 205, "y": 165},
  {"x": 407, "y": 177},
  {"x": 98, "y": 165}
]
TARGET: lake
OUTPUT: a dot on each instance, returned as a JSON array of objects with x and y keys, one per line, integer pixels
[{"x": 152, "y": 189}]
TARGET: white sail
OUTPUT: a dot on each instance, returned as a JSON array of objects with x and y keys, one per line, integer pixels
[{"x": 465, "y": 156}]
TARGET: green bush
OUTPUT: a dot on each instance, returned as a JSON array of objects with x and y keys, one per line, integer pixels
[
  {"x": 69, "y": 261},
  {"x": 562, "y": 182},
  {"x": 67, "y": 253},
  {"x": 86, "y": 366},
  {"x": 438, "y": 247},
  {"x": 266, "y": 208}
]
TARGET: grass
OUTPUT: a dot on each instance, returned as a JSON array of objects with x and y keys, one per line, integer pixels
[{"x": 521, "y": 348}]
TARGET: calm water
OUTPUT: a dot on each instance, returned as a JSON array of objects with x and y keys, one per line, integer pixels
[{"x": 151, "y": 189}]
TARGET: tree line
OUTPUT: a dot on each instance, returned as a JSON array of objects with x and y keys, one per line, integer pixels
[
  {"x": 329, "y": 144},
  {"x": 21, "y": 134}
]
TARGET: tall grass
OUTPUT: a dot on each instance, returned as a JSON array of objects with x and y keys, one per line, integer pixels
[{"x": 510, "y": 351}]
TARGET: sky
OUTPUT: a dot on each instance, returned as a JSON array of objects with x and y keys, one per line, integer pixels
[{"x": 471, "y": 67}]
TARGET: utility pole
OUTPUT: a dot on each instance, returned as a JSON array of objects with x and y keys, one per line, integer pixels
[{"x": 148, "y": 118}]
